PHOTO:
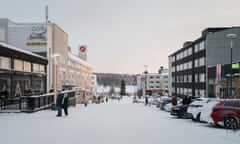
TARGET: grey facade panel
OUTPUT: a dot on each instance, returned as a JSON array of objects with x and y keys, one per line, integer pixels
[{"x": 218, "y": 49}]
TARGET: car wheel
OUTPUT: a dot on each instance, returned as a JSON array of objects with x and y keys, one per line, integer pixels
[
  {"x": 198, "y": 117},
  {"x": 231, "y": 122},
  {"x": 180, "y": 115},
  {"x": 192, "y": 117}
]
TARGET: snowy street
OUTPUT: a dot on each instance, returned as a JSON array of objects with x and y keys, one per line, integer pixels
[{"x": 117, "y": 122}]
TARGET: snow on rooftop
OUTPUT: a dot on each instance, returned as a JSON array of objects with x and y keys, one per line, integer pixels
[
  {"x": 77, "y": 59},
  {"x": 21, "y": 50}
]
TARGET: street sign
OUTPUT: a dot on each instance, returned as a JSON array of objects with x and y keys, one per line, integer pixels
[
  {"x": 142, "y": 78},
  {"x": 236, "y": 66}
]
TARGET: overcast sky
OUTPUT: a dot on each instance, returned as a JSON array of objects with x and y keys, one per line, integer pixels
[{"x": 124, "y": 35}]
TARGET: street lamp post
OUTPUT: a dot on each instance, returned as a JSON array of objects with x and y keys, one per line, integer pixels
[
  {"x": 54, "y": 56},
  {"x": 145, "y": 72},
  {"x": 231, "y": 36}
]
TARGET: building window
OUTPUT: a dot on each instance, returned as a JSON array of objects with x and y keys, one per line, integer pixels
[
  {"x": 26, "y": 66},
  {"x": 201, "y": 46},
  {"x": 202, "y": 93},
  {"x": 173, "y": 58},
  {"x": 189, "y": 78},
  {"x": 196, "y": 77},
  {"x": 18, "y": 65},
  {"x": 41, "y": 68},
  {"x": 190, "y": 51},
  {"x": 190, "y": 64},
  {"x": 185, "y": 78},
  {"x": 185, "y": 53},
  {"x": 202, "y": 77},
  {"x": 196, "y": 92},
  {"x": 202, "y": 61},
  {"x": 5, "y": 63},
  {"x": 189, "y": 92},
  {"x": 196, "y": 48},
  {"x": 196, "y": 63},
  {"x": 185, "y": 65}
]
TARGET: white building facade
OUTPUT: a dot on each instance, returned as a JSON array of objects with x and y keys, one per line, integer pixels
[
  {"x": 153, "y": 82},
  {"x": 48, "y": 40}
]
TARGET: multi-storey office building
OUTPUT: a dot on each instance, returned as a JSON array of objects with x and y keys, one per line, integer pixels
[
  {"x": 50, "y": 41},
  {"x": 193, "y": 68}
]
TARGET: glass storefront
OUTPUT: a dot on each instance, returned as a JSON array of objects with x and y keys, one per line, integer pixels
[{"x": 4, "y": 86}]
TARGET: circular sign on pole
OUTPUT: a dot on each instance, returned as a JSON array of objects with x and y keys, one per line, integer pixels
[
  {"x": 142, "y": 78},
  {"x": 82, "y": 49}
]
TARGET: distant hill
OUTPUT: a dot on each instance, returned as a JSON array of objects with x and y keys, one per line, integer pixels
[{"x": 110, "y": 79}]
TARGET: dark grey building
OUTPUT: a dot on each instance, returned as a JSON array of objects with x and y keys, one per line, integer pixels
[{"x": 193, "y": 68}]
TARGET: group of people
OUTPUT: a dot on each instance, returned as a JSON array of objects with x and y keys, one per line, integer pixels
[{"x": 61, "y": 103}]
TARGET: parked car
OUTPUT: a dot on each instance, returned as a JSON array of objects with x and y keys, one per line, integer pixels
[
  {"x": 154, "y": 101},
  {"x": 227, "y": 113},
  {"x": 168, "y": 106},
  {"x": 163, "y": 101},
  {"x": 206, "y": 111},
  {"x": 195, "y": 108},
  {"x": 181, "y": 110}
]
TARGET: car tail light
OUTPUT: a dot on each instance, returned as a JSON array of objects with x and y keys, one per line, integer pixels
[{"x": 215, "y": 109}]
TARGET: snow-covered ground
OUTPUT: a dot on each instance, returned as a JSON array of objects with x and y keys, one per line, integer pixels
[{"x": 117, "y": 122}]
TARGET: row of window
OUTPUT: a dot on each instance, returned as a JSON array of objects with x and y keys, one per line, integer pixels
[
  {"x": 197, "y": 47},
  {"x": 152, "y": 87},
  {"x": 63, "y": 60},
  {"x": 184, "y": 54},
  {"x": 188, "y": 91},
  {"x": 199, "y": 62},
  {"x": 188, "y": 65},
  {"x": 199, "y": 77},
  {"x": 157, "y": 82},
  {"x": 158, "y": 77},
  {"x": 21, "y": 65},
  {"x": 71, "y": 76},
  {"x": 184, "y": 66}
]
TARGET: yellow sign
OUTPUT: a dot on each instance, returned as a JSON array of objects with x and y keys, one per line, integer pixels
[{"x": 36, "y": 43}]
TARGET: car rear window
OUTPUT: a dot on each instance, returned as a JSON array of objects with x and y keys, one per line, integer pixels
[{"x": 232, "y": 103}]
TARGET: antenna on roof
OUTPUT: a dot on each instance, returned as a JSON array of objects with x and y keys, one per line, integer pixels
[{"x": 46, "y": 13}]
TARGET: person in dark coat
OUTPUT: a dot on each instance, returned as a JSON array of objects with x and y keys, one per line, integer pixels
[
  {"x": 59, "y": 104},
  {"x": 174, "y": 100},
  {"x": 186, "y": 100},
  {"x": 65, "y": 104},
  {"x": 146, "y": 100}
]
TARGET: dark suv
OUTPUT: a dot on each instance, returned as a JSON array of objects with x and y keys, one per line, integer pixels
[{"x": 227, "y": 113}]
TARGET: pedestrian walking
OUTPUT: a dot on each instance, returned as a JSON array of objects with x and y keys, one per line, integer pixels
[
  {"x": 65, "y": 104},
  {"x": 59, "y": 104},
  {"x": 106, "y": 99},
  {"x": 85, "y": 103},
  {"x": 146, "y": 100}
]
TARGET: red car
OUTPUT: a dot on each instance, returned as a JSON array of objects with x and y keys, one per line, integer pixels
[{"x": 227, "y": 113}]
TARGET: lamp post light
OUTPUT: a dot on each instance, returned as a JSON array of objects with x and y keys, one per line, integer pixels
[
  {"x": 231, "y": 36},
  {"x": 54, "y": 56},
  {"x": 145, "y": 85}
]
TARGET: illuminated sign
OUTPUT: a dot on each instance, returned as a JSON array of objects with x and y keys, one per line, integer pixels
[{"x": 236, "y": 66}]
